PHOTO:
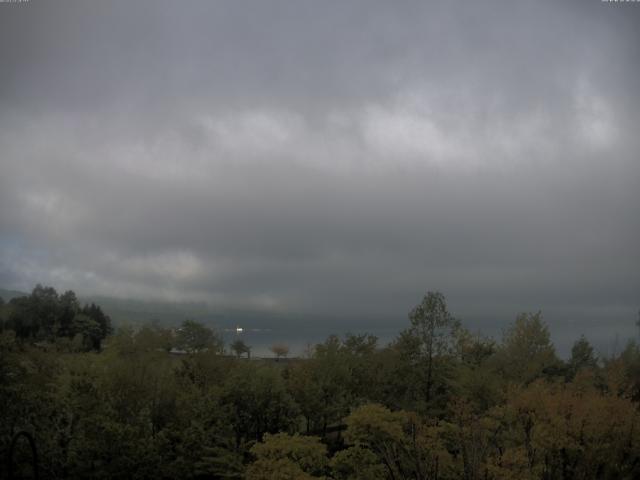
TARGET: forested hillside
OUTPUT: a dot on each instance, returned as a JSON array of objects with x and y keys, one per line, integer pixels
[{"x": 439, "y": 402}]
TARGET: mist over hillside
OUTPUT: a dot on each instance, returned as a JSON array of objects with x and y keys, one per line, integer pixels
[{"x": 262, "y": 329}]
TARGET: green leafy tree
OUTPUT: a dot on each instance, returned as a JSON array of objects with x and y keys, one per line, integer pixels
[
  {"x": 331, "y": 373},
  {"x": 46, "y": 316},
  {"x": 360, "y": 345},
  {"x": 288, "y": 457},
  {"x": 395, "y": 443},
  {"x": 565, "y": 431},
  {"x": 307, "y": 392},
  {"x": 256, "y": 401},
  {"x": 104, "y": 322},
  {"x": 357, "y": 463},
  {"x": 195, "y": 337},
  {"x": 526, "y": 352},
  {"x": 582, "y": 356},
  {"x": 475, "y": 378},
  {"x": 69, "y": 308},
  {"x": 363, "y": 361},
  {"x": 152, "y": 338},
  {"x": 4, "y": 315},
  {"x": 240, "y": 348},
  {"x": 622, "y": 372},
  {"x": 34, "y": 316},
  {"x": 86, "y": 332},
  {"x": 426, "y": 349}
]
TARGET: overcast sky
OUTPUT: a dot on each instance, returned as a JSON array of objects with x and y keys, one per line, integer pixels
[{"x": 327, "y": 158}]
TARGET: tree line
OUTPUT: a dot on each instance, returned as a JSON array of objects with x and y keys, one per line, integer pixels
[
  {"x": 45, "y": 316},
  {"x": 439, "y": 402}
]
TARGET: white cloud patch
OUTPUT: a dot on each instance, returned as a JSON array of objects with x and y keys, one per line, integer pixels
[
  {"x": 164, "y": 157},
  {"x": 417, "y": 130},
  {"x": 180, "y": 265},
  {"x": 404, "y": 133},
  {"x": 595, "y": 119},
  {"x": 253, "y": 133},
  {"x": 58, "y": 212}
]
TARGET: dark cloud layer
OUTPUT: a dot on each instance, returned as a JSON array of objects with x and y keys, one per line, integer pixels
[{"x": 326, "y": 158}]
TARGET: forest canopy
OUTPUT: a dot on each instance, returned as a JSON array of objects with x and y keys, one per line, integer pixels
[
  {"x": 46, "y": 316},
  {"x": 439, "y": 402}
]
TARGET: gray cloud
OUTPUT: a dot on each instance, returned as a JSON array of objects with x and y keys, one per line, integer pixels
[{"x": 327, "y": 159}]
